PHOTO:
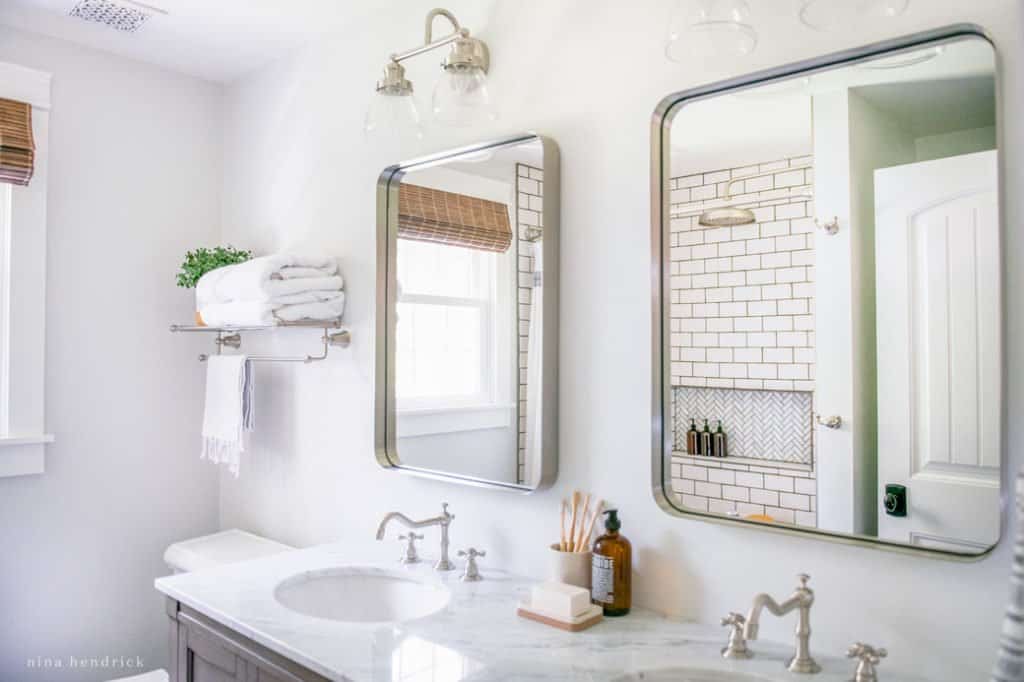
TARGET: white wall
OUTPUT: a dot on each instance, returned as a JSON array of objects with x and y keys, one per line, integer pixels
[
  {"x": 298, "y": 174},
  {"x": 134, "y": 175}
]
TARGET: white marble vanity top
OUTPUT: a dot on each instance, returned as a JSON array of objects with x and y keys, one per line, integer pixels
[{"x": 476, "y": 637}]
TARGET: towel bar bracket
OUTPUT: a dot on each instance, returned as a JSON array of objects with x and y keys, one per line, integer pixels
[{"x": 231, "y": 338}]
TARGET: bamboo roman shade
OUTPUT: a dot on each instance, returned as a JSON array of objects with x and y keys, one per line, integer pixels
[
  {"x": 17, "y": 150},
  {"x": 430, "y": 215}
]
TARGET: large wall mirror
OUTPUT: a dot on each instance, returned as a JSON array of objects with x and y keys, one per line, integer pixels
[
  {"x": 467, "y": 320},
  {"x": 828, "y": 313}
]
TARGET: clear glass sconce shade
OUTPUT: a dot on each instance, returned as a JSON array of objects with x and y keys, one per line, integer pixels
[
  {"x": 391, "y": 114},
  {"x": 701, "y": 29},
  {"x": 461, "y": 98},
  {"x": 830, "y": 15}
]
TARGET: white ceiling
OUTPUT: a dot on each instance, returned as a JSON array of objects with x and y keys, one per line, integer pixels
[{"x": 218, "y": 40}]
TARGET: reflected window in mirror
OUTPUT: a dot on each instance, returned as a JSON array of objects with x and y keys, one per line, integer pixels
[
  {"x": 469, "y": 331},
  {"x": 831, "y": 297}
]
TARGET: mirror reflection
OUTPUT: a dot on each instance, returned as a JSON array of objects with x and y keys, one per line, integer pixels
[
  {"x": 469, "y": 333},
  {"x": 833, "y": 301}
]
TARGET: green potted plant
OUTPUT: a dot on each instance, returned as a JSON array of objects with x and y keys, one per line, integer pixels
[{"x": 201, "y": 261}]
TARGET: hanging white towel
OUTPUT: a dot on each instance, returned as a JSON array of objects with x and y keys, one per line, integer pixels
[{"x": 228, "y": 412}]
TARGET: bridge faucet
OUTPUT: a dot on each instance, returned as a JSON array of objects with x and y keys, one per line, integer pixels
[
  {"x": 444, "y": 521},
  {"x": 801, "y": 599}
]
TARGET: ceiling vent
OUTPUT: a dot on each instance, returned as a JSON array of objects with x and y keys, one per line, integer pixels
[{"x": 127, "y": 17}]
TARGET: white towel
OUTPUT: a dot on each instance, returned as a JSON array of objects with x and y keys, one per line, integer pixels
[
  {"x": 310, "y": 305},
  {"x": 267, "y": 277},
  {"x": 228, "y": 413}
]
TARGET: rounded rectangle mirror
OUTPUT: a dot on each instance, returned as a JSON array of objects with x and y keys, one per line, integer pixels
[
  {"x": 467, "y": 319},
  {"x": 828, "y": 322}
]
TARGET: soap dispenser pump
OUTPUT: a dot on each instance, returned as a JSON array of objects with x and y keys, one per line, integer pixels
[{"x": 612, "y": 569}]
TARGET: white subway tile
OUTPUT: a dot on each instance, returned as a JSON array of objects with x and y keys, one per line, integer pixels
[
  {"x": 690, "y": 180},
  {"x": 695, "y": 473},
  {"x": 732, "y": 279},
  {"x": 719, "y": 382},
  {"x": 747, "y": 293},
  {"x": 807, "y": 519},
  {"x": 743, "y": 232},
  {"x": 789, "y": 179},
  {"x": 704, "y": 281},
  {"x": 722, "y": 476},
  {"x": 773, "y": 324},
  {"x": 719, "y": 295},
  {"x": 792, "y": 243},
  {"x": 690, "y": 238},
  {"x": 719, "y": 355},
  {"x": 708, "y": 489},
  {"x": 716, "y": 176},
  {"x": 776, "y": 291},
  {"x": 804, "y": 355},
  {"x": 731, "y": 492},
  {"x": 806, "y": 486},
  {"x": 694, "y": 502},
  {"x": 802, "y": 225},
  {"x": 777, "y": 228},
  {"x": 733, "y": 370},
  {"x": 780, "y": 483},
  {"x": 756, "y": 371},
  {"x": 718, "y": 264},
  {"x": 793, "y": 339},
  {"x": 705, "y": 310},
  {"x": 720, "y": 324},
  {"x": 704, "y": 251},
  {"x": 793, "y": 372},
  {"x": 804, "y": 322},
  {"x": 761, "y": 308},
  {"x": 705, "y": 340},
  {"x": 779, "y": 514},
  {"x": 761, "y": 276},
  {"x": 803, "y": 290},
  {"x": 794, "y": 501},
  {"x": 779, "y": 259},
  {"x": 761, "y": 340},
  {"x": 748, "y": 324},
  {"x": 747, "y": 354},
  {"x": 682, "y": 485},
  {"x": 746, "y": 262},
  {"x": 718, "y": 234},
  {"x": 691, "y": 267},
  {"x": 779, "y": 385},
  {"x": 745, "y": 509},
  {"x": 705, "y": 369},
  {"x": 764, "y": 496},
  {"x": 749, "y": 384},
  {"x": 778, "y": 355},
  {"x": 793, "y": 307},
  {"x": 764, "y": 214},
  {"x": 692, "y": 295},
  {"x": 790, "y": 274},
  {"x": 761, "y": 245},
  {"x": 693, "y": 324},
  {"x": 732, "y": 249},
  {"x": 803, "y": 386},
  {"x": 798, "y": 210},
  {"x": 757, "y": 184},
  {"x": 751, "y": 480},
  {"x": 703, "y": 192},
  {"x": 737, "y": 308},
  {"x": 732, "y": 340},
  {"x": 721, "y": 507}
]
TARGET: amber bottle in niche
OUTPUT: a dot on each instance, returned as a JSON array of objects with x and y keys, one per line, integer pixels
[
  {"x": 612, "y": 568},
  {"x": 691, "y": 439}
]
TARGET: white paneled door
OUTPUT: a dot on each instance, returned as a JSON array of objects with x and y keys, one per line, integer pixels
[{"x": 939, "y": 350}]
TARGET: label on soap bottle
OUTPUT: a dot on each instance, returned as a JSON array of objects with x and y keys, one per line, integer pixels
[{"x": 602, "y": 569}]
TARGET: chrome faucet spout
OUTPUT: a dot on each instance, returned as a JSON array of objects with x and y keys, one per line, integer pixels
[
  {"x": 801, "y": 601},
  {"x": 443, "y": 521}
]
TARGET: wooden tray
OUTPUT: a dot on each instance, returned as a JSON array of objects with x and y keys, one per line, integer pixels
[{"x": 589, "y": 618}]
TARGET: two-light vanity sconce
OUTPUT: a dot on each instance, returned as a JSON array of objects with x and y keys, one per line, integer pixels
[{"x": 460, "y": 96}]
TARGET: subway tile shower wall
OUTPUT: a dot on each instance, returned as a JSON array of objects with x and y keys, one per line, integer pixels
[
  {"x": 529, "y": 196},
  {"x": 742, "y": 298}
]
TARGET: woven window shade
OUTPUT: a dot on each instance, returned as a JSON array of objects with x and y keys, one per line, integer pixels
[
  {"x": 430, "y": 215},
  {"x": 17, "y": 150}
]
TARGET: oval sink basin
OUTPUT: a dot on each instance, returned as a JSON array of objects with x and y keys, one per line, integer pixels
[
  {"x": 361, "y": 595},
  {"x": 688, "y": 675}
]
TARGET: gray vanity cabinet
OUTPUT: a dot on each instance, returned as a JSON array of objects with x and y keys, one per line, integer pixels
[{"x": 205, "y": 651}]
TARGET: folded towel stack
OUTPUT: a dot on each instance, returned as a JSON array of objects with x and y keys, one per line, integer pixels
[{"x": 270, "y": 290}]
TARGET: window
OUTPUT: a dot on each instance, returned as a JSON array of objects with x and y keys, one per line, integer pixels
[
  {"x": 449, "y": 353},
  {"x": 23, "y": 436}
]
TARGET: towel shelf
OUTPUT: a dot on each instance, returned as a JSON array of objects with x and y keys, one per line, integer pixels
[{"x": 231, "y": 336}]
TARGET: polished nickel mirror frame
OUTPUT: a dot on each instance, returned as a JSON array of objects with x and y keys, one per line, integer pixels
[
  {"x": 385, "y": 439},
  {"x": 660, "y": 275}
]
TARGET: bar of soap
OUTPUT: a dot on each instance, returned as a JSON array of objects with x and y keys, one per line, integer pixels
[{"x": 560, "y": 600}]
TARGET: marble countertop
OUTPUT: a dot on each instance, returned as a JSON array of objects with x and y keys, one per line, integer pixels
[{"x": 478, "y": 637}]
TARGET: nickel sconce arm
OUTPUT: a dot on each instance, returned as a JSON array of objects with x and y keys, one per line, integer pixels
[{"x": 428, "y": 36}]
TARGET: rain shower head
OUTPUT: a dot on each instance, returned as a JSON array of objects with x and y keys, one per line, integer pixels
[{"x": 726, "y": 216}]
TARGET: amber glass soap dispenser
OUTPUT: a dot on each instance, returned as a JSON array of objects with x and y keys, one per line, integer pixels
[{"x": 612, "y": 568}]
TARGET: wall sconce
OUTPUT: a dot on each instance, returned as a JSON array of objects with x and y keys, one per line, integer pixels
[{"x": 460, "y": 96}]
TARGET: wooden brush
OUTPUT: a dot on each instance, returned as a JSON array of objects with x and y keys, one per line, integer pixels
[
  {"x": 580, "y": 542},
  {"x": 593, "y": 519},
  {"x": 562, "y": 546},
  {"x": 572, "y": 524}
]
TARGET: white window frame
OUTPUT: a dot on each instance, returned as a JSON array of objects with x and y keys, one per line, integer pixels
[
  {"x": 423, "y": 417},
  {"x": 23, "y": 436}
]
